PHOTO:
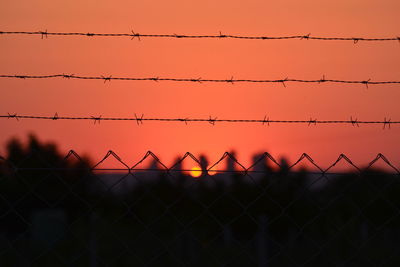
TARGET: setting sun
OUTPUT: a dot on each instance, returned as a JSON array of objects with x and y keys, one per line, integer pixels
[{"x": 196, "y": 172}]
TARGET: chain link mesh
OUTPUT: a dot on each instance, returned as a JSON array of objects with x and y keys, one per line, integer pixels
[{"x": 58, "y": 211}]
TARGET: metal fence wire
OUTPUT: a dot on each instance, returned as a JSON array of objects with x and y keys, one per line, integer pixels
[
  {"x": 57, "y": 211},
  {"x": 135, "y": 35}
]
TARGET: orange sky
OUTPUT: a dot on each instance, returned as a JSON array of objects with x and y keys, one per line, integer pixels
[{"x": 207, "y": 59}]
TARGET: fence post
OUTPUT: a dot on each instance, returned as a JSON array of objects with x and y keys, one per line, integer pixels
[
  {"x": 93, "y": 241},
  {"x": 262, "y": 241}
]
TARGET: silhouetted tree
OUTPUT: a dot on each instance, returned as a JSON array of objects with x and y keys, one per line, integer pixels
[{"x": 36, "y": 176}]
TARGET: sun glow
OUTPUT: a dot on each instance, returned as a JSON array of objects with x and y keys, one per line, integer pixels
[
  {"x": 196, "y": 172},
  {"x": 211, "y": 172}
]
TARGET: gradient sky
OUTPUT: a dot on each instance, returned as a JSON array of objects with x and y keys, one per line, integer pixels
[{"x": 213, "y": 59}]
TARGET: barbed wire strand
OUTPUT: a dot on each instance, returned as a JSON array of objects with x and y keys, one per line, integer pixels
[
  {"x": 200, "y": 80},
  {"x": 136, "y": 35},
  {"x": 211, "y": 120},
  {"x": 215, "y": 167}
]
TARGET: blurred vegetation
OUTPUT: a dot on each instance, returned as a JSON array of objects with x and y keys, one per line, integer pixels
[{"x": 54, "y": 212}]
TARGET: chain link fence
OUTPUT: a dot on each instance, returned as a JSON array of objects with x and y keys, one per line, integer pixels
[{"x": 57, "y": 211}]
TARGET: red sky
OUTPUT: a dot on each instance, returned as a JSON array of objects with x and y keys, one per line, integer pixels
[{"x": 207, "y": 59}]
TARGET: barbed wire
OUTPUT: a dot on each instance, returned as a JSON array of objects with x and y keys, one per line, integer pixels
[
  {"x": 211, "y": 120},
  {"x": 214, "y": 167},
  {"x": 134, "y": 35},
  {"x": 200, "y": 80}
]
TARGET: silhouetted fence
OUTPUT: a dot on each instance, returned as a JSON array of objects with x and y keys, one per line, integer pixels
[{"x": 59, "y": 211}]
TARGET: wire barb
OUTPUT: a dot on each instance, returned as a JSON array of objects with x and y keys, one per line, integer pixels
[
  {"x": 265, "y": 120},
  {"x": 44, "y": 34},
  {"x": 366, "y": 82},
  {"x": 96, "y": 119},
  {"x": 179, "y": 36},
  {"x": 386, "y": 122},
  {"x": 222, "y": 35},
  {"x": 312, "y": 121},
  {"x": 307, "y": 36},
  {"x": 354, "y": 122},
  {"x": 212, "y": 121},
  {"x": 11, "y": 116},
  {"x": 139, "y": 120},
  {"x": 283, "y": 81},
  {"x": 68, "y": 76},
  {"x": 198, "y": 80},
  {"x": 230, "y": 80},
  {"x": 185, "y": 120},
  {"x": 106, "y": 79},
  {"x": 135, "y": 35}
]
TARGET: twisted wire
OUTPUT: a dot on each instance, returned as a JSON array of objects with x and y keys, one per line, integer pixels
[
  {"x": 365, "y": 82},
  {"x": 211, "y": 120},
  {"x": 136, "y": 35}
]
